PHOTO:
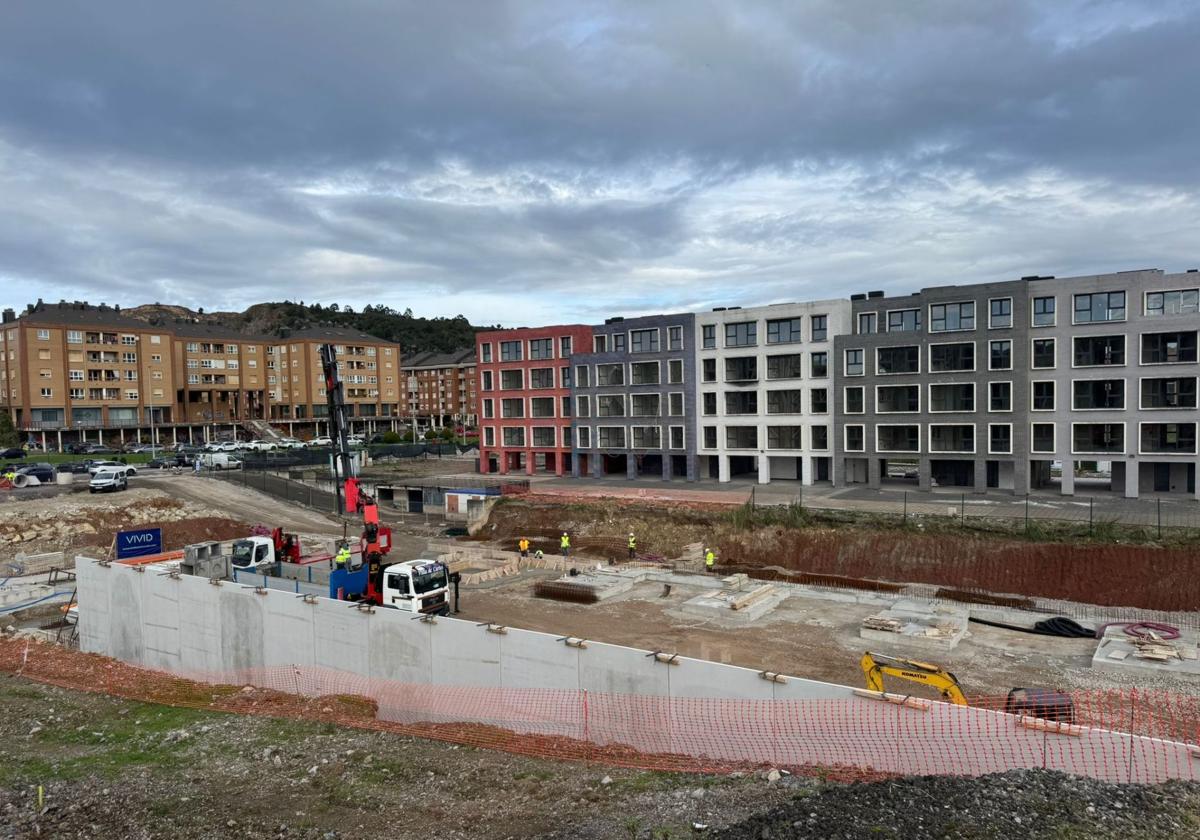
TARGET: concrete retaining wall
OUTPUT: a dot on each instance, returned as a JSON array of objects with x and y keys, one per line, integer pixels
[{"x": 456, "y": 671}]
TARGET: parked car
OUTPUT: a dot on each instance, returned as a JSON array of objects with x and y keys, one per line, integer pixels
[
  {"x": 98, "y": 449},
  {"x": 77, "y": 467},
  {"x": 108, "y": 479},
  {"x": 41, "y": 471},
  {"x": 15, "y": 452},
  {"x": 321, "y": 441},
  {"x": 97, "y": 466},
  {"x": 290, "y": 443}
]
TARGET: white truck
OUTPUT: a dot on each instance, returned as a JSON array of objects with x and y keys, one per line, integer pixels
[
  {"x": 417, "y": 586},
  {"x": 219, "y": 461}
]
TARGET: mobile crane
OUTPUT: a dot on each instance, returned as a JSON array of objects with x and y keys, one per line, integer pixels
[
  {"x": 419, "y": 586},
  {"x": 1043, "y": 703}
]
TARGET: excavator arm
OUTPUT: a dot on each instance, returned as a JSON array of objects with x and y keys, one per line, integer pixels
[{"x": 875, "y": 666}]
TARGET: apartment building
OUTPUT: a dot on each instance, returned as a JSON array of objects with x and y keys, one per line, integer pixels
[
  {"x": 635, "y": 399},
  {"x": 72, "y": 372},
  {"x": 369, "y": 368},
  {"x": 441, "y": 390},
  {"x": 525, "y": 397},
  {"x": 765, "y": 407},
  {"x": 1034, "y": 383}
]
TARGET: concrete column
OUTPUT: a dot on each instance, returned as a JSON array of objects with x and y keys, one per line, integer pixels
[
  {"x": 1068, "y": 476},
  {"x": 630, "y": 466},
  {"x": 807, "y": 471},
  {"x": 924, "y": 474},
  {"x": 722, "y": 468},
  {"x": 874, "y": 473},
  {"x": 43, "y": 441},
  {"x": 575, "y": 469},
  {"x": 981, "y": 475},
  {"x": 596, "y": 464},
  {"x": 530, "y": 463},
  {"x": 121, "y": 434},
  {"x": 666, "y": 466},
  {"x": 764, "y": 469},
  {"x": 693, "y": 468},
  {"x": 174, "y": 435},
  {"x": 1131, "y": 479},
  {"x": 60, "y": 440},
  {"x": 100, "y": 436},
  {"x": 502, "y": 462},
  {"x": 559, "y": 457},
  {"x": 1021, "y": 477}
]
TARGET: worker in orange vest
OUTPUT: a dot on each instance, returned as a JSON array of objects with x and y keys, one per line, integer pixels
[{"x": 524, "y": 546}]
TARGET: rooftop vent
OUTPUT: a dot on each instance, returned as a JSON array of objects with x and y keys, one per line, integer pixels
[
  {"x": 859, "y": 296},
  {"x": 1193, "y": 270},
  {"x": 615, "y": 320},
  {"x": 875, "y": 294},
  {"x": 719, "y": 308},
  {"x": 1140, "y": 270}
]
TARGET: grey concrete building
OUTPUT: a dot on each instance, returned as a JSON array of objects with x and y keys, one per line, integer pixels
[
  {"x": 1023, "y": 384},
  {"x": 764, "y": 383},
  {"x": 634, "y": 399}
]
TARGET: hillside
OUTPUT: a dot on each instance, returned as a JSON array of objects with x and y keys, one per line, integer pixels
[{"x": 413, "y": 333}]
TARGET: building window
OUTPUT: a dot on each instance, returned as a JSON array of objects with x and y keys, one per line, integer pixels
[
  {"x": 1171, "y": 438},
  {"x": 1168, "y": 348},
  {"x": 708, "y": 404},
  {"x": 1093, "y": 351},
  {"x": 904, "y": 320},
  {"x": 820, "y": 327},
  {"x": 1000, "y": 438},
  {"x": 514, "y": 436},
  {"x": 1042, "y": 437},
  {"x": 611, "y": 437},
  {"x": 1099, "y": 306},
  {"x": 543, "y": 436},
  {"x": 999, "y": 396},
  {"x": 1043, "y": 396},
  {"x": 74, "y": 337},
  {"x": 583, "y": 437},
  {"x": 675, "y": 338},
  {"x": 645, "y": 405},
  {"x": 1178, "y": 302},
  {"x": 489, "y": 409},
  {"x": 1045, "y": 353},
  {"x": 675, "y": 371},
  {"x": 583, "y": 406},
  {"x": 675, "y": 404},
  {"x": 947, "y": 358},
  {"x": 610, "y": 405},
  {"x": 541, "y": 378},
  {"x": 866, "y": 323},
  {"x": 566, "y": 406},
  {"x": 741, "y": 437},
  {"x": 643, "y": 341},
  {"x": 741, "y": 402},
  {"x": 541, "y": 349},
  {"x": 785, "y": 437},
  {"x": 677, "y": 437},
  {"x": 948, "y": 317},
  {"x": 952, "y": 438},
  {"x": 1044, "y": 312},
  {"x": 785, "y": 402},
  {"x": 708, "y": 370},
  {"x": 564, "y": 374},
  {"x": 1000, "y": 313},
  {"x": 710, "y": 437},
  {"x": 1091, "y": 394},
  {"x": 43, "y": 335},
  {"x": 1000, "y": 356},
  {"x": 485, "y": 383},
  {"x": 564, "y": 346},
  {"x": 820, "y": 401},
  {"x": 854, "y": 362},
  {"x": 958, "y": 397},
  {"x": 743, "y": 334},
  {"x": 618, "y": 342},
  {"x": 489, "y": 436},
  {"x": 898, "y": 438},
  {"x": 599, "y": 344},
  {"x": 889, "y": 360},
  {"x": 820, "y": 365},
  {"x": 49, "y": 392},
  {"x": 76, "y": 393},
  {"x": 856, "y": 439},
  {"x": 741, "y": 369},
  {"x": 643, "y": 373},
  {"x": 485, "y": 353},
  {"x": 853, "y": 402},
  {"x": 897, "y": 399},
  {"x": 708, "y": 336},
  {"x": 647, "y": 437},
  {"x": 131, "y": 395},
  {"x": 510, "y": 351},
  {"x": 790, "y": 366},
  {"x": 820, "y": 438},
  {"x": 1169, "y": 393},
  {"x": 784, "y": 331},
  {"x": 1098, "y": 438},
  {"x": 511, "y": 380},
  {"x": 75, "y": 375},
  {"x": 610, "y": 375}
]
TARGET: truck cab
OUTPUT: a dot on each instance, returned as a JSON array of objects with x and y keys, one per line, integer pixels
[
  {"x": 417, "y": 586},
  {"x": 253, "y": 553}
]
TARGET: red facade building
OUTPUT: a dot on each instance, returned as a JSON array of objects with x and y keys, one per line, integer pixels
[{"x": 524, "y": 392}]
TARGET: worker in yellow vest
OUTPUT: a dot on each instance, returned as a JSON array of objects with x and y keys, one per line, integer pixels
[
  {"x": 632, "y": 546},
  {"x": 565, "y": 544},
  {"x": 524, "y": 546},
  {"x": 342, "y": 559},
  {"x": 710, "y": 560}
]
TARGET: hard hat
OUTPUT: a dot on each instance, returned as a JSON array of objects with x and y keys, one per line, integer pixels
[
  {"x": 564, "y": 533},
  {"x": 631, "y": 533}
]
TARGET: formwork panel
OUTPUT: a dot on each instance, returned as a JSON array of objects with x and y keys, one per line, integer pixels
[
  {"x": 200, "y": 629},
  {"x": 160, "y": 604},
  {"x": 538, "y": 660},
  {"x": 125, "y": 615},
  {"x": 465, "y": 654},
  {"x": 290, "y": 635},
  {"x": 242, "y": 626},
  {"x": 95, "y": 622}
]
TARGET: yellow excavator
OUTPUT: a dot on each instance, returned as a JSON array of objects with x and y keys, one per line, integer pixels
[{"x": 1043, "y": 703}]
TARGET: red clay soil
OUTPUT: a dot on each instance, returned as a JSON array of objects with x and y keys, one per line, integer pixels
[{"x": 1103, "y": 574}]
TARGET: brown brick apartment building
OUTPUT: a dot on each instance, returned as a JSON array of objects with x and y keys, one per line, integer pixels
[
  {"x": 73, "y": 372},
  {"x": 441, "y": 390}
]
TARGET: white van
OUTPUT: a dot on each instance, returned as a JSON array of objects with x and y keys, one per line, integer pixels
[{"x": 107, "y": 479}]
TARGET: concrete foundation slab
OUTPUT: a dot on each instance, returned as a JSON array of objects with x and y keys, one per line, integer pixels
[
  {"x": 1118, "y": 651},
  {"x": 719, "y": 605},
  {"x": 911, "y": 621}
]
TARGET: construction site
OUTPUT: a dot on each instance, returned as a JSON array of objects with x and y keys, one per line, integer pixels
[{"x": 511, "y": 659}]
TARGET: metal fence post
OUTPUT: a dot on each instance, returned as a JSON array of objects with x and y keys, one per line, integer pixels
[
  {"x": 1027, "y": 514},
  {"x": 1091, "y": 515},
  {"x": 904, "y": 515},
  {"x": 1159, "y": 518},
  {"x": 962, "y": 518}
]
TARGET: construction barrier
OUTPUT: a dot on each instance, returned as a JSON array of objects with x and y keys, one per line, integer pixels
[{"x": 571, "y": 698}]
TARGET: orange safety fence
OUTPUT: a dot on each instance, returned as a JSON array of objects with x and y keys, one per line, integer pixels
[{"x": 1118, "y": 735}]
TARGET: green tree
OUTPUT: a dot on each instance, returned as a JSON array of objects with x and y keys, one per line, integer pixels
[
  {"x": 9, "y": 437},
  {"x": 391, "y": 437}
]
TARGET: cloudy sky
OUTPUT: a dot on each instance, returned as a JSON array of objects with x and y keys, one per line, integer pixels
[{"x": 526, "y": 162}]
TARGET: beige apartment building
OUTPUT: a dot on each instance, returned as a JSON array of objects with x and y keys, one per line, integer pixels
[
  {"x": 441, "y": 390},
  {"x": 72, "y": 372}
]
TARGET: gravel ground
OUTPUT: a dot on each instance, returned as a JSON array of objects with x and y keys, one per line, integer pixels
[{"x": 1033, "y": 804}]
